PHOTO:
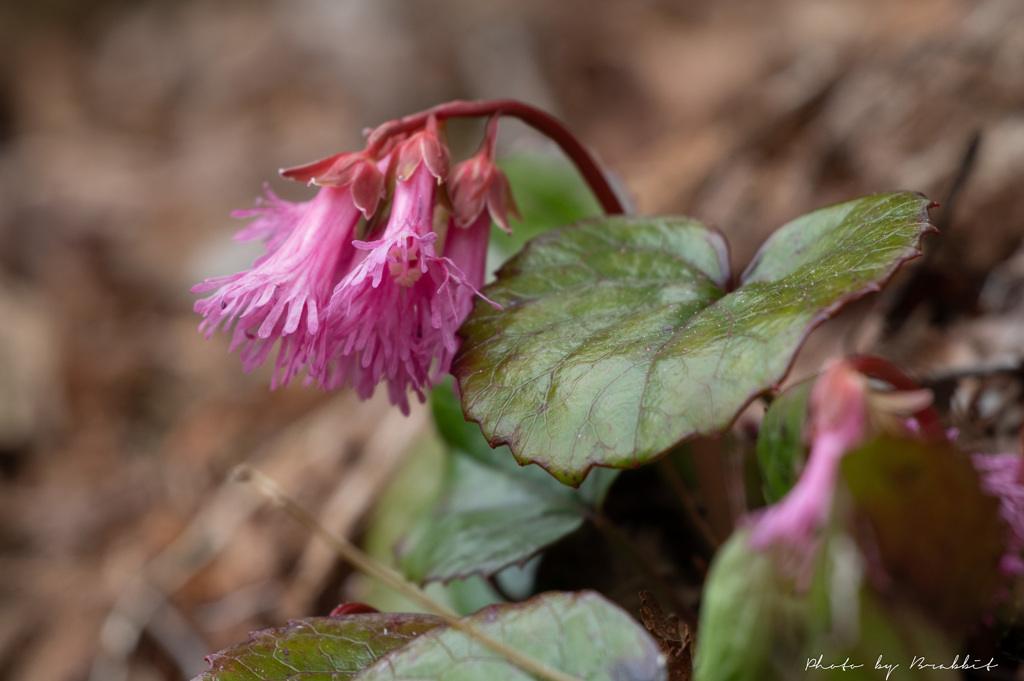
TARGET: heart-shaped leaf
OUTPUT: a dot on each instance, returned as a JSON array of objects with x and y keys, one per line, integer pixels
[
  {"x": 620, "y": 337},
  {"x": 317, "y": 648},
  {"x": 492, "y": 512},
  {"x": 580, "y": 633}
]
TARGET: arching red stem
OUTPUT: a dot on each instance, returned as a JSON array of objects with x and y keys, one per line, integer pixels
[{"x": 535, "y": 118}]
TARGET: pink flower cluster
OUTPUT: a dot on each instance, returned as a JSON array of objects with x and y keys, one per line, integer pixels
[{"x": 354, "y": 312}]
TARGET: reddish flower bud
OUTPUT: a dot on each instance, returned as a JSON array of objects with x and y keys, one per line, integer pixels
[
  {"x": 355, "y": 169},
  {"x": 427, "y": 147},
  {"x": 476, "y": 184}
]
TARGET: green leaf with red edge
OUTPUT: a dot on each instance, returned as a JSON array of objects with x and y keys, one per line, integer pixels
[
  {"x": 581, "y": 633},
  {"x": 317, "y": 648},
  {"x": 936, "y": 534},
  {"x": 620, "y": 337}
]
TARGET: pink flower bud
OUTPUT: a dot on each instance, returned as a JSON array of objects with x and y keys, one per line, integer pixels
[
  {"x": 357, "y": 170},
  {"x": 838, "y": 423}
]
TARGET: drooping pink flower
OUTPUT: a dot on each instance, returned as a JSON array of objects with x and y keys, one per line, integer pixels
[
  {"x": 355, "y": 313},
  {"x": 280, "y": 301},
  {"x": 845, "y": 412},
  {"x": 839, "y": 422},
  {"x": 1001, "y": 477},
  {"x": 395, "y": 314}
]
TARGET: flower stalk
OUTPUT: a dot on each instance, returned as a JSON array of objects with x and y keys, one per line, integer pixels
[{"x": 543, "y": 122}]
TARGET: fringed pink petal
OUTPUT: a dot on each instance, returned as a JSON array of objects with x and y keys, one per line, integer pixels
[
  {"x": 277, "y": 302},
  {"x": 1000, "y": 477},
  {"x": 275, "y": 219}
]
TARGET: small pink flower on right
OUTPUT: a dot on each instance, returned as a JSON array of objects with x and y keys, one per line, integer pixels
[{"x": 1001, "y": 477}]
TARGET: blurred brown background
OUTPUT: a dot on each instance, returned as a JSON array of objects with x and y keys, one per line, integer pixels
[{"x": 129, "y": 130}]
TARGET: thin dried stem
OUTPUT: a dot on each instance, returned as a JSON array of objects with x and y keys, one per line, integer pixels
[
  {"x": 713, "y": 476},
  {"x": 692, "y": 513},
  {"x": 373, "y": 568}
]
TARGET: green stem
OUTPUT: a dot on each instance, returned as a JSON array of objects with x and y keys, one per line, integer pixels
[
  {"x": 621, "y": 540},
  {"x": 373, "y": 568},
  {"x": 691, "y": 512},
  {"x": 539, "y": 120},
  {"x": 709, "y": 460}
]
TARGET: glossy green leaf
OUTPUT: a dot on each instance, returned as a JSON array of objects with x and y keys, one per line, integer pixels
[
  {"x": 492, "y": 512},
  {"x": 407, "y": 499},
  {"x": 781, "y": 451},
  {"x": 938, "y": 536},
  {"x": 620, "y": 337},
  {"x": 581, "y": 634},
  {"x": 317, "y": 648}
]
